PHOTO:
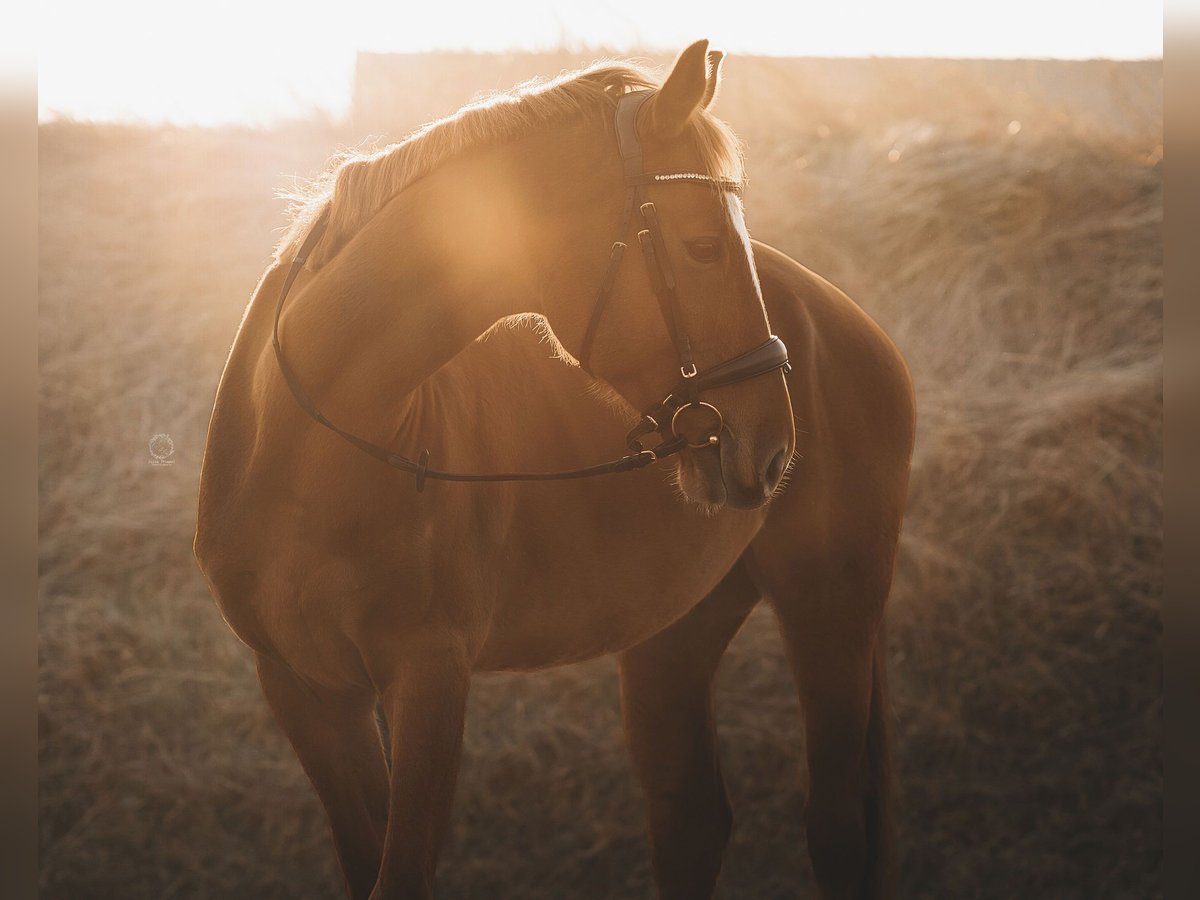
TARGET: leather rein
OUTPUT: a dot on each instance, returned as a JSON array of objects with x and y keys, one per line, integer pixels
[{"x": 670, "y": 417}]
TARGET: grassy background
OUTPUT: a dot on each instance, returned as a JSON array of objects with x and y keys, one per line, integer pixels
[{"x": 1001, "y": 220}]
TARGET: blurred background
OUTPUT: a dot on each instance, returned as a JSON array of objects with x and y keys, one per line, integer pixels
[{"x": 985, "y": 182}]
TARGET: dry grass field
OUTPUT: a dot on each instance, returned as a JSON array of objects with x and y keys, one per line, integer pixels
[{"x": 1001, "y": 221}]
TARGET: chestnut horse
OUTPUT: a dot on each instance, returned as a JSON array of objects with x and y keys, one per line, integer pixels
[{"x": 353, "y": 590}]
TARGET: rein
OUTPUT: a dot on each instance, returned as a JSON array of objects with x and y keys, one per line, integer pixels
[{"x": 664, "y": 417}]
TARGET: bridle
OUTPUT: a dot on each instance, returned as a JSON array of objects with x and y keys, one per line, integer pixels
[{"x": 669, "y": 417}]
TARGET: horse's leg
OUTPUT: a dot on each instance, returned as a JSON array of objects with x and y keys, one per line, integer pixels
[
  {"x": 831, "y": 627},
  {"x": 423, "y": 685},
  {"x": 337, "y": 741},
  {"x": 666, "y": 695}
]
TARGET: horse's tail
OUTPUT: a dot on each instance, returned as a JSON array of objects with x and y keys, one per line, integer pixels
[{"x": 880, "y": 881}]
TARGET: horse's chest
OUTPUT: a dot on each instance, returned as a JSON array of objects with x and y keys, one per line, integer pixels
[{"x": 572, "y": 589}]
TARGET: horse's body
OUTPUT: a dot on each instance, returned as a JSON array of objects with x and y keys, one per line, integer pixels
[{"x": 350, "y": 586}]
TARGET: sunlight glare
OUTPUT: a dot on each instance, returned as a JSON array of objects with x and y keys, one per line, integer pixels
[{"x": 257, "y": 62}]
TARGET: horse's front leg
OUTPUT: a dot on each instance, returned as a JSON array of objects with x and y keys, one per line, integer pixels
[
  {"x": 336, "y": 738},
  {"x": 666, "y": 696},
  {"x": 831, "y": 627},
  {"x": 423, "y": 684}
]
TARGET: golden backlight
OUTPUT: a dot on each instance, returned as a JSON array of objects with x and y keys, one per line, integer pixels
[
  {"x": 256, "y": 62},
  {"x": 1000, "y": 220}
]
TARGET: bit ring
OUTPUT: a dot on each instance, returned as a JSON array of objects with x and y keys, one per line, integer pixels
[{"x": 712, "y": 435}]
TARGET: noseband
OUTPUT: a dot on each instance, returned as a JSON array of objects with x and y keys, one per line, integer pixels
[{"x": 681, "y": 418}]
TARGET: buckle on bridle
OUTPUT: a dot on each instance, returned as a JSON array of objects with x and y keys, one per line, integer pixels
[
  {"x": 647, "y": 424},
  {"x": 688, "y": 371}
]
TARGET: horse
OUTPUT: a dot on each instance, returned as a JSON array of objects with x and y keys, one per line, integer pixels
[{"x": 447, "y": 290}]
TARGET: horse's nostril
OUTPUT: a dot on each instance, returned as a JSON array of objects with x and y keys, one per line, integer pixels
[{"x": 776, "y": 467}]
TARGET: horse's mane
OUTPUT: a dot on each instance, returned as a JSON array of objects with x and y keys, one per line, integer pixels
[{"x": 358, "y": 185}]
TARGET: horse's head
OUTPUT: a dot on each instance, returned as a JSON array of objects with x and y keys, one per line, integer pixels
[{"x": 685, "y": 296}]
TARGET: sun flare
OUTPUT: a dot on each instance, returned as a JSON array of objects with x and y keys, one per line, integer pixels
[{"x": 261, "y": 62}]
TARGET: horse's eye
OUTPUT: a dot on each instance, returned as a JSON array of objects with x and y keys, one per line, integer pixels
[{"x": 704, "y": 250}]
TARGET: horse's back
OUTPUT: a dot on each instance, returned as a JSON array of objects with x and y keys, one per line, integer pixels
[{"x": 840, "y": 346}]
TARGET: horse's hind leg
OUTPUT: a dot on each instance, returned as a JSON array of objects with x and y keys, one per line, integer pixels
[
  {"x": 337, "y": 741},
  {"x": 666, "y": 695},
  {"x": 831, "y": 628}
]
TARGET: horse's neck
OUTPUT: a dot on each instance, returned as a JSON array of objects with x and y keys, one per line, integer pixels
[
  {"x": 399, "y": 301},
  {"x": 483, "y": 237}
]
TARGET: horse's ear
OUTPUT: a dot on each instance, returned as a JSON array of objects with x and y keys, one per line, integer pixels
[
  {"x": 714, "y": 77},
  {"x": 681, "y": 93}
]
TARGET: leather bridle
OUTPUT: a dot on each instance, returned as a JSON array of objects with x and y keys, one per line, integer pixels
[{"x": 670, "y": 417}]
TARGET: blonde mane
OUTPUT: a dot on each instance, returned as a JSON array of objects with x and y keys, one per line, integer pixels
[{"x": 358, "y": 185}]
